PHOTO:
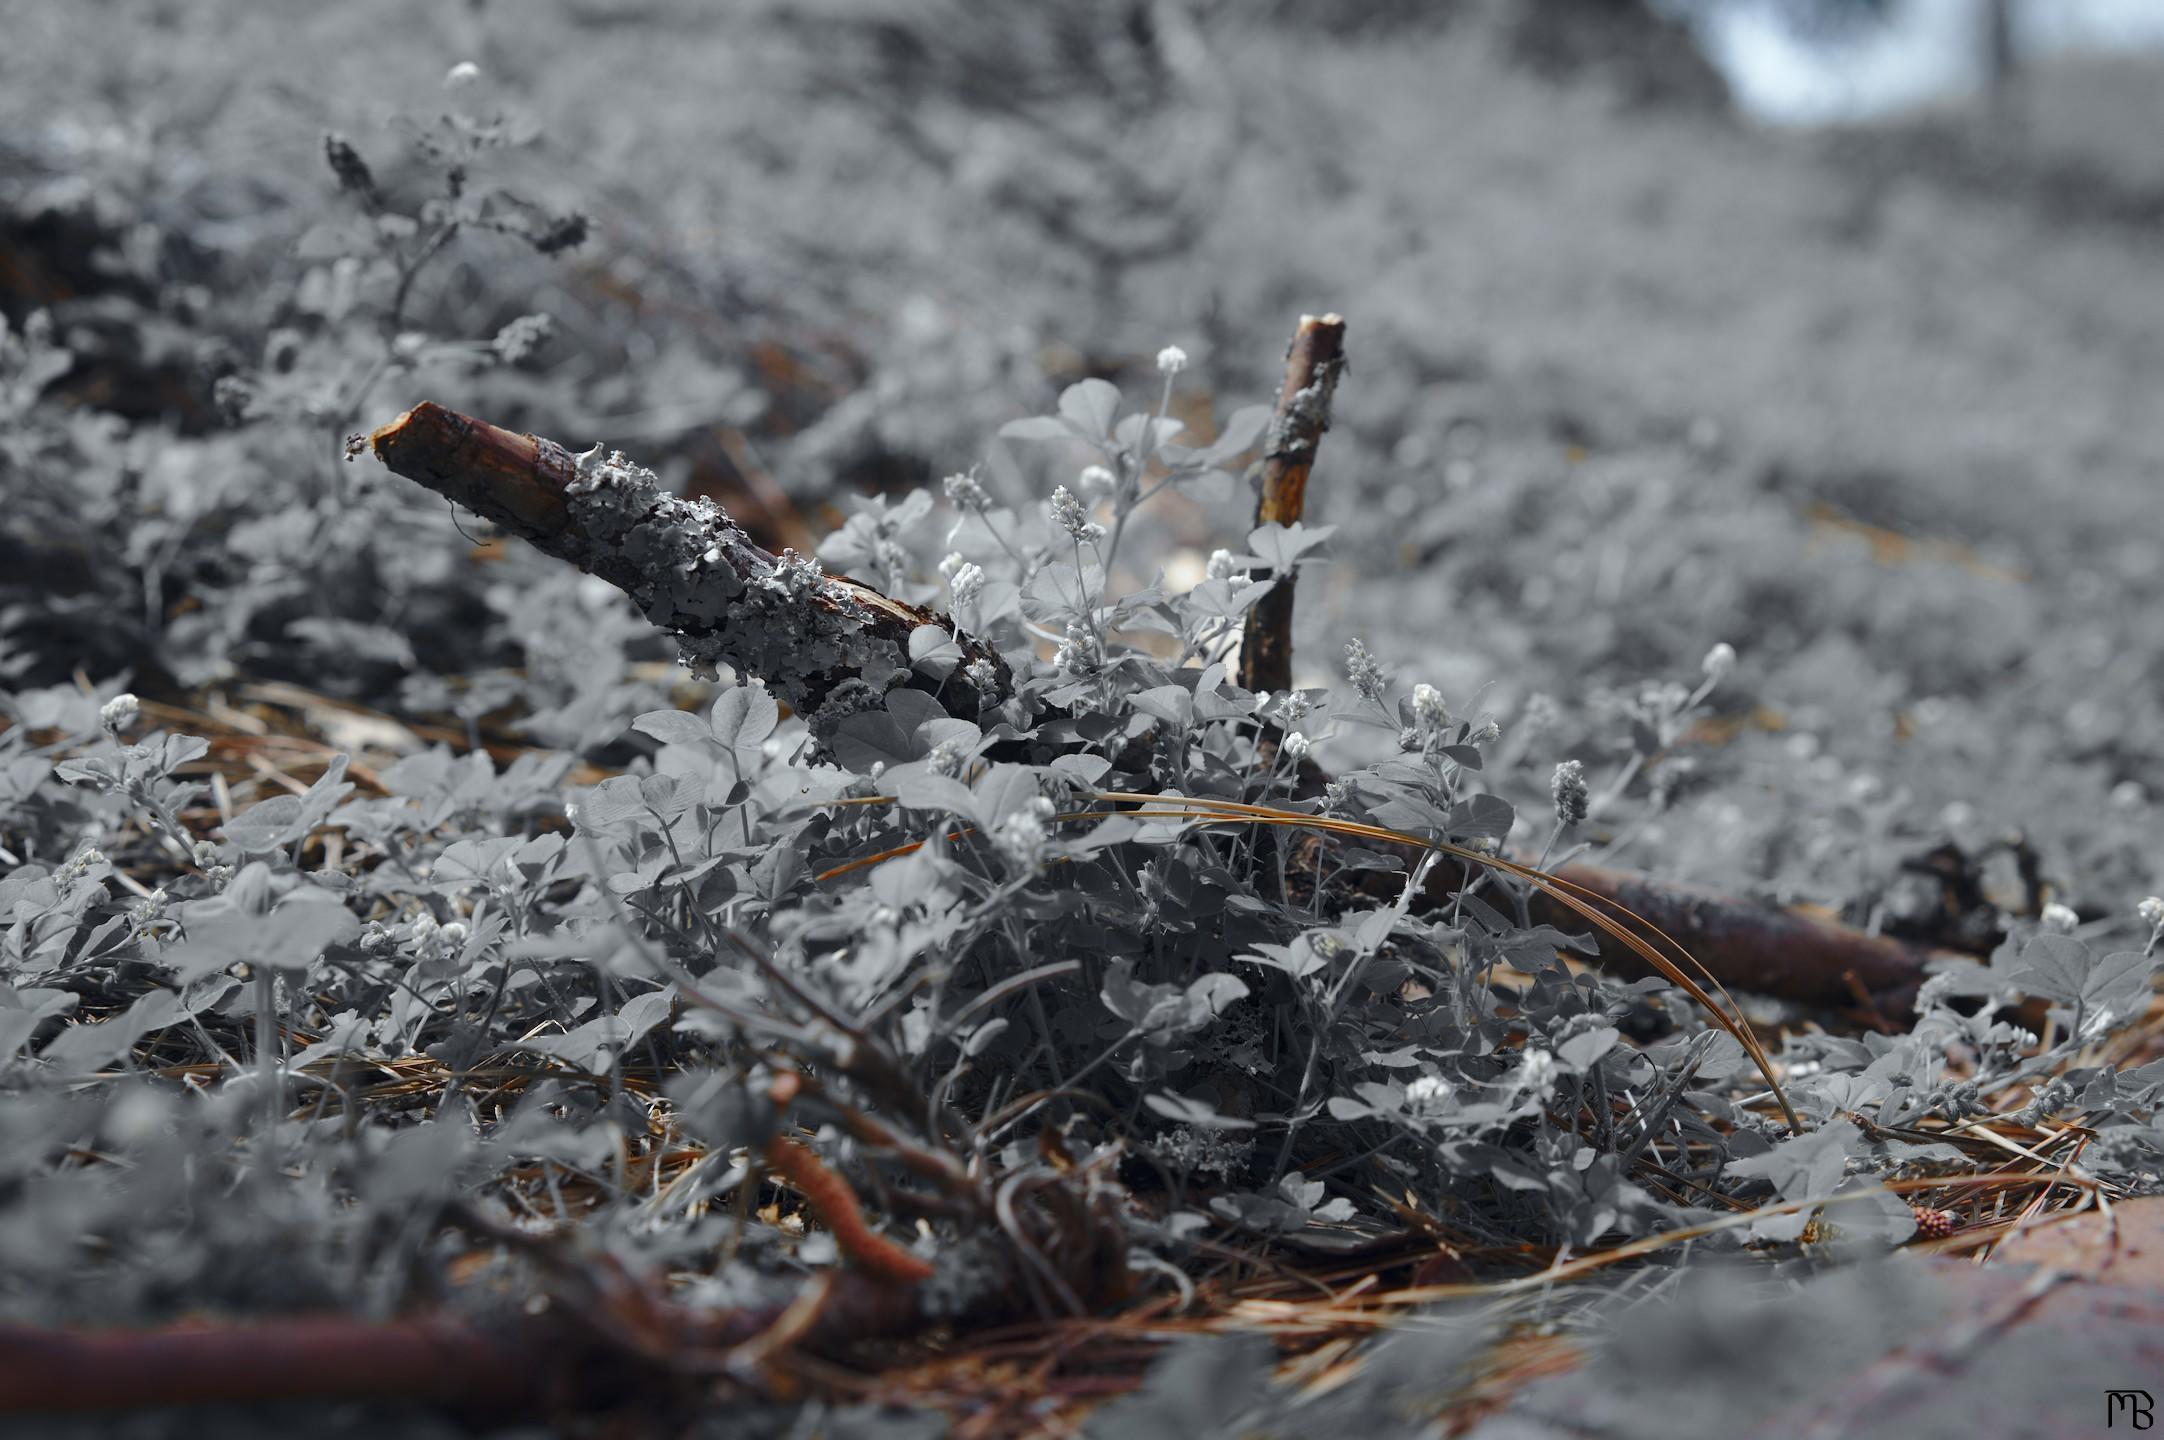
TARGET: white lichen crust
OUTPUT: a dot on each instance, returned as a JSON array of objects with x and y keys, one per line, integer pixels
[
  {"x": 825, "y": 645},
  {"x": 693, "y": 572}
]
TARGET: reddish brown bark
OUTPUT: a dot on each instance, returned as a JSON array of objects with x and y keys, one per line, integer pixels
[
  {"x": 1799, "y": 954},
  {"x": 432, "y": 1360},
  {"x": 1313, "y": 364},
  {"x": 522, "y": 1365}
]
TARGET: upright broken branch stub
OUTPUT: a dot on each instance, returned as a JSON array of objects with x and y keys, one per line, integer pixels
[
  {"x": 1313, "y": 363},
  {"x": 826, "y": 646}
]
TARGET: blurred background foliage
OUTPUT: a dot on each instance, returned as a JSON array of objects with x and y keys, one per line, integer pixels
[{"x": 1631, "y": 373}]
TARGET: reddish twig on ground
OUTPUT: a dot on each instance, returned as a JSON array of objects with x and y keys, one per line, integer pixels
[
  {"x": 500, "y": 1368},
  {"x": 438, "y": 1359},
  {"x": 835, "y": 1206}
]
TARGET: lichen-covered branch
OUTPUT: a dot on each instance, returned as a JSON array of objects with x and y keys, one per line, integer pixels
[
  {"x": 826, "y": 646},
  {"x": 1312, "y": 365}
]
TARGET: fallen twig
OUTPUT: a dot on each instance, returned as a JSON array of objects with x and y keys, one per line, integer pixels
[
  {"x": 826, "y": 646},
  {"x": 1797, "y": 953},
  {"x": 1794, "y": 952}
]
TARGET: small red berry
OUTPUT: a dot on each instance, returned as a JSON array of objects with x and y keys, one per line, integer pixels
[{"x": 1934, "y": 1224}]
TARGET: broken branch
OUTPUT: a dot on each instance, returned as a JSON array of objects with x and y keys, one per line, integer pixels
[
  {"x": 826, "y": 646},
  {"x": 1797, "y": 953},
  {"x": 1313, "y": 363}
]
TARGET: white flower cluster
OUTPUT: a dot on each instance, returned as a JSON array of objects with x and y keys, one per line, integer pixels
[
  {"x": 945, "y": 759},
  {"x": 1426, "y": 1094},
  {"x": 2059, "y": 919},
  {"x": 967, "y": 492},
  {"x": 2151, "y": 911},
  {"x": 1072, "y": 516},
  {"x": 1365, "y": 672},
  {"x": 893, "y": 562},
  {"x": 1294, "y": 747},
  {"x": 966, "y": 583},
  {"x": 146, "y": 914},
  {"x": 1077, "y": 653},
  {"x": 434, "y": 941},
  {"x": 1171, "y": 360},
  {"x": 1023, "y": 835},
  {"x": 1535, "y": 1074},
  {"x": 1429, "y": 712},
  {"x": 1097, "y": 482}
]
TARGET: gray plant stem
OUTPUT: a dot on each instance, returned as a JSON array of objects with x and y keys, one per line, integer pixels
[{"x": 268, "y": 1060}]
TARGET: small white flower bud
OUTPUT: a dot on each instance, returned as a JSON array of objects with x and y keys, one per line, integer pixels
[
  {"x": 1069, "y": 513},
  {"x": 118, "y": 713},
  {"x": 1535, "y": 1074},
  {"x": 1720, "y": 662},
  {"x": 967, "y": 493},
  {"x": 1171, "y": 360},
  {"x": 945, "y": 759},
  {"x": 1096, "y": 481},
  {"x": 2059, "y": 919},
  {"x": 464, "y": 73},
  {"x": 1572, "y": 797},
  {"x": 1365, "y": 672},
  {"x": 2151, "y": 911},
  {"x": 1221, "y": 565},
  {"x": 966, "y": 583},
  {"x": 1429, "y": 712},
  {"x": 1295, "y": 746},
  {"x": 521, "y": 337},
  {"x": 1427, "y": 1093},
  {"x": 1022, "y": 836}
]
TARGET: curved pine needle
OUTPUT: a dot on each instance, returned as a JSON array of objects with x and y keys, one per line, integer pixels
[
  {"x": 1573, "y": 897},
  {"x": 1577, "y": 899}
]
